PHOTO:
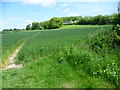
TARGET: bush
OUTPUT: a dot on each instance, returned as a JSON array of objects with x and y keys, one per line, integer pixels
[
  {"x": 116, "y": 19},
  {"x": 41, "y": 28},
  {"x": 117, "y": 29},
  {"x": 101, "y": 61},
  {"x": 105, "y": 44}
]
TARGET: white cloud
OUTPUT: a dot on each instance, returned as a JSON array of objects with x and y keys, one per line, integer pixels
[
  {"x": 66, "y": 10},
  {"x": 28, "y": 21},
  {"x": 1, "y": 25},
  {"x": 74, "y": 14},
  {"x": 59, "y": 0},
  {"x": 70, "y": 13},
  {"x": 88, "y": 0},
  {"x": 12, "y": 19},
  {"x": 94, "y": 12},
  {"x": 2, "y": 22},
  {"x": 24, "y": 25},
  {"x": 48, "y": 3},
  {"x": 64, "y": 4},
  {"x": 37, "y": 12},
  {"x": 97, "y": 9},
  {"x": 40, "y": 2}
]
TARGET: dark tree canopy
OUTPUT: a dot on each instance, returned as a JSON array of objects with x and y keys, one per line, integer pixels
[
  {"x": 28, "y": 27},
  {"x": 116, "y": 19},
  {"x": 45, "y": 24},
  {"x": 35, "y": 26}
]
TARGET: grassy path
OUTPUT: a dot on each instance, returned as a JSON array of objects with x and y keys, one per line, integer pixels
[{"x": 11, "y": 59}]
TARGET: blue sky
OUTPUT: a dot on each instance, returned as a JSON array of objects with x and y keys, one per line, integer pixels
[{"x": 19, "y": 14}]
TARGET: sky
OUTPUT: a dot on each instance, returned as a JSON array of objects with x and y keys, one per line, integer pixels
[{"x": 19, "y": 13}]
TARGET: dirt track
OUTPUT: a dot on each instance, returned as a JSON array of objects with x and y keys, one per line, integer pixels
[{"x": 12, "y": 57}]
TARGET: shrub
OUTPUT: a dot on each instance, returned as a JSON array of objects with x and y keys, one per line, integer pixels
[
  {"x": 105, "y": 44},
  {"x": 41, "y": 28},
  {"x": 101, "y": 61},
  {"x": 117, "y": 30}
]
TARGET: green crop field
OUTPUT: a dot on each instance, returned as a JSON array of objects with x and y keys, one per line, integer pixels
[
  {"x": 10, "y": 41},
  {"x": 61, "y": 58}
]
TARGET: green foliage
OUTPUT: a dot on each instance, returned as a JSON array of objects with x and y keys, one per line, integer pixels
[
  {"x": 47, "y": 73},
  {"x": 103, "y": 41},
  {"x": 116, "y": 19},
  {"x": 102, "y": 63},
  {"x": 45, "y": 24},
  {"x": 95, "y": 65},
  {"x": 55, "y": 23},
  {"x": 117, "y": 33},
  {"x": 97, "y": 20},
  {"x": 36, "y": 26},
  {"x": 41, "y": 28},
  {"x": 117, "y": 28},
  {"x": 7, "y": 29},
  {"x": 100, "y": 20},
  {"x": 106, "y": 45},
  {"x": 83, "y": 21},
  {"x": 108, "y": 19},
  {"x": 67, "y": 19},
  {"x": 28, "y": 27}
]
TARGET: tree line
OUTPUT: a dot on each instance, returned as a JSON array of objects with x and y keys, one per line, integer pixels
[
  {"x": 77, "y": 20},
  {"x": 56, "y": 22},
  {"x": 51, "y": 24},
  {"x": 15, "y": 29}
]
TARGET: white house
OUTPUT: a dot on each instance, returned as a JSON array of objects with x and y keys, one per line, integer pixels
[{"x": 68, "y": 22}]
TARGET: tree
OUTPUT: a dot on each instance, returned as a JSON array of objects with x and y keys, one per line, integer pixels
[
  {"x": 116, "y": 19},
  {"x": 41, "y": 28},
  {"x": 98, "y": 20},
  {"x": 45, "y": 24},
  {"x": 35, "y": 26},
  {"x": 28, "y": 27},
  {"x": 55, "y": 23},
  {"x": 108, "y": 19},
  {"x": 82, "y": 21},
  {"x": 77, "y": 18},
  {"x": 15, "y": 29},
  {"x": 101, "y": 20}
]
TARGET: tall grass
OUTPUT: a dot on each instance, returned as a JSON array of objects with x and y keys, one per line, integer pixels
[
  {"x": 10, "y": 41},
  {"x": 46, "y": 42},
  {"x": 99, "y": 59}
]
